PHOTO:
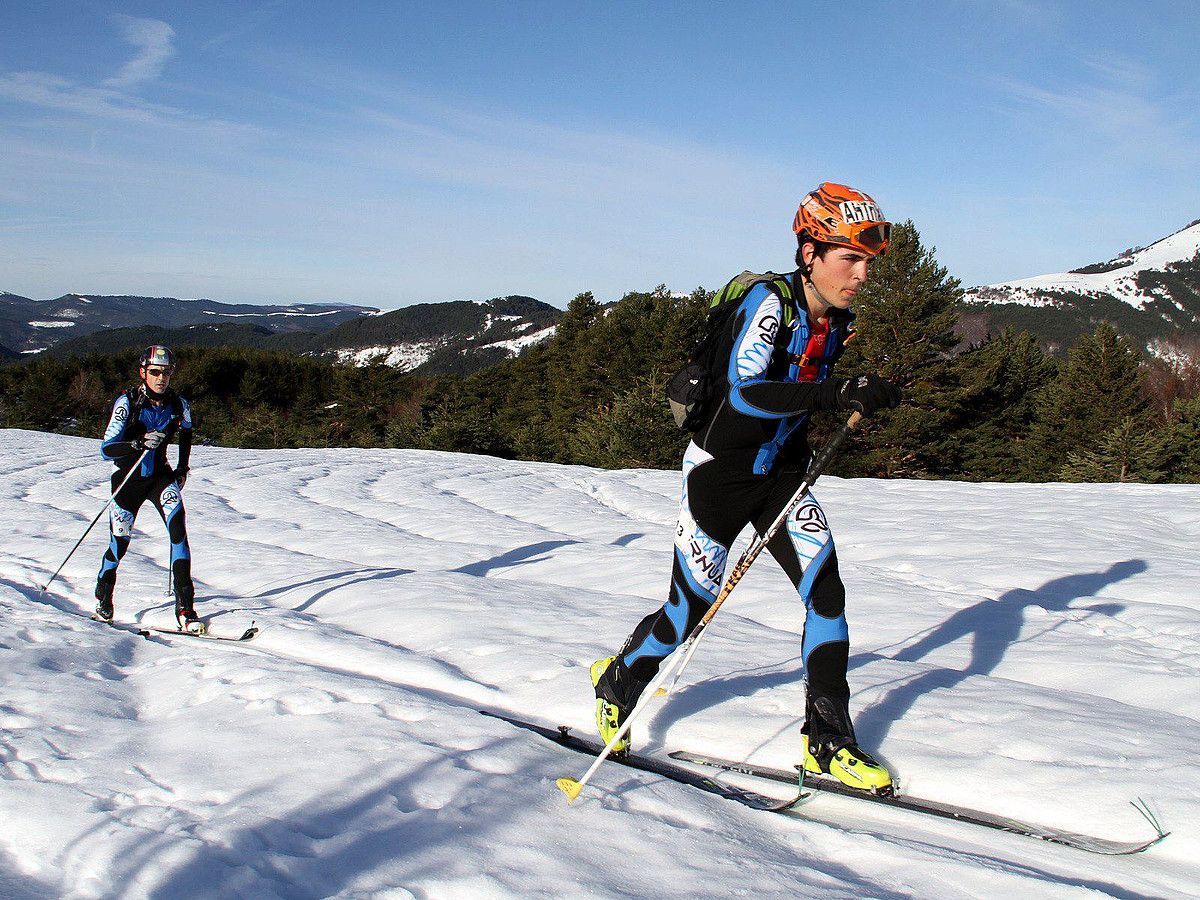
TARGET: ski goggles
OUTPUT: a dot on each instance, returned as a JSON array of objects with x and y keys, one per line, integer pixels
[{"x": 871, "y": 237}]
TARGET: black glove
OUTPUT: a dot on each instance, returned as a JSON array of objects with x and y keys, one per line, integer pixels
[
  {"x": 868, "y": 394},
  {"x": 150, "y": 440}
]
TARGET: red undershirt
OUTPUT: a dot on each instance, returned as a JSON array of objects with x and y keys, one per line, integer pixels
[{"x": 814, "y": 352}]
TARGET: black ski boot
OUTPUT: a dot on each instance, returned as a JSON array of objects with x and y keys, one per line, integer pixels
[
  {"x": 185, "y": 614},
  {"x": 104, "y": 603}
]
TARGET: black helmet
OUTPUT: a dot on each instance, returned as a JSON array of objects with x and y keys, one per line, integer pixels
[{"x": 157, "y": 355}]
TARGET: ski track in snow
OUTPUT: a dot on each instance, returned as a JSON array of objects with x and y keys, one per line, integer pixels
[{"x": 1029, "y": 650}]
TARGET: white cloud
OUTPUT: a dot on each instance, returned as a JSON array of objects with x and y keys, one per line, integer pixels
[
  {"x": 53, "y": 92},
  {"x": 153, "y": 40},
  {"x": 1120, "y": 109}
]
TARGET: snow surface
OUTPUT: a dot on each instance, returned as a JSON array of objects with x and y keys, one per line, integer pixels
[
  {"x": 52, "y": 324},
  {"x": 1120, "y": 283},
  {"x": 1029, "y": 650}
]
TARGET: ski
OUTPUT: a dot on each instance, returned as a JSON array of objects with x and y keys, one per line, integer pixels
[
  {"x": 564, "y": 738},
  {"x": 146, "y": 630},
  {"x": 246, "y": 635},
  {"x": 121, "y": 626},
  {"x": 941, "y": 810}
]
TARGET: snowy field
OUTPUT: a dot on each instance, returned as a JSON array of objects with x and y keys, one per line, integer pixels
[{"x": 1026, "y": 650}]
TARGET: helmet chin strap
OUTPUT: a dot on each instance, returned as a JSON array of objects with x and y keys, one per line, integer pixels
[
  {"x": 152, "y": 395},
  {"x": 806, "y": 272}
]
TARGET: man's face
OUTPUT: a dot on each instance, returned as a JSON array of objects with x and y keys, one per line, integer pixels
[
  {"x": 156, "y": 377},
  {"x": 839, "y": 275}
]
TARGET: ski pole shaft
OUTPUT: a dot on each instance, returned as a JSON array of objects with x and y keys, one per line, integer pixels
[
  {"x": 103, "y": 509},
  {"x": 759, "y": 543},
  {"x": 683, "y": 653}
]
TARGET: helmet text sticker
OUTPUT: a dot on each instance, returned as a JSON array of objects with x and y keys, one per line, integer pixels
[{"x": 855, "y": 211}]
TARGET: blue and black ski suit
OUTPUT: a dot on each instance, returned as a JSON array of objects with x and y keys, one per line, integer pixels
[
  {"x": 742, "y": 467},
  {"x": 134, "y": 414}
]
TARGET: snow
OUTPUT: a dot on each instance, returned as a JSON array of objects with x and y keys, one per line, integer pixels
[
  {"x": 52, "y": 324},
  {"x": 403, "y": 356},
  {"x": 289, "y": 313},
  {"x": 1120, "y": 283},
  {"x": 515, "y": 345},
  {"x": 1028, "y": 650}
]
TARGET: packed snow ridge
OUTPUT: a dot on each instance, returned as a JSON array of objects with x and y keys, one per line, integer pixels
[{"x": 341, "y": 752}]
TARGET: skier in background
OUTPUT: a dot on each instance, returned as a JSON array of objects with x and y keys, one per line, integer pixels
[
  {"x": 749, "y": 457},
  {"x": 144, "y": 419}
]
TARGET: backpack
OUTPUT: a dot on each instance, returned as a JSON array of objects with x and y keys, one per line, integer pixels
[{"x": 690, "y": 390}]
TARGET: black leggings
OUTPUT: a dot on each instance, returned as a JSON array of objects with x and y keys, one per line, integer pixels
[
  {"x": 163, "y": 491},
  {"x": 720, "y": 497}
]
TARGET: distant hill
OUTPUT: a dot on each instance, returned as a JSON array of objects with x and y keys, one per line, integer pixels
[
  {"x": 31, "y": 326},
  {"x": 1152, "y": 294},
  {"x": 454, "y": 337}
]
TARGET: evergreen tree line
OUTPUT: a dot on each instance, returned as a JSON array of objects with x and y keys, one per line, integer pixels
[
  {"x": 1001, "y": 410},
  {"x": 240, "y": 397}
]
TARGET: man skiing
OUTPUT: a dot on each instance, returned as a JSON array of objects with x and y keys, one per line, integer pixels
[
  {"x": 748, "y": 458},
  {"x": 144, "y": 419}
]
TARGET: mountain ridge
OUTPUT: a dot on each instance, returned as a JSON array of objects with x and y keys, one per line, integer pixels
[
  {"x": 451, "y": 337},
  {"x": 1150, "y": 293}
]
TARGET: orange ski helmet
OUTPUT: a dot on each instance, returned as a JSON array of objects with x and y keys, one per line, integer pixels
[{"x": 836, "y": 214}]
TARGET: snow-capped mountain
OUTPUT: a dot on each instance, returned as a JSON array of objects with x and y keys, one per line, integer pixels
[
  {"x": 457, "y": 336},
  {"x": 1151, "y": 293},
  {"x": 31, "y": 326}
]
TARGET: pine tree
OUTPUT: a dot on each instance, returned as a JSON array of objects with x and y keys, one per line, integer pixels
[
  {"x": 905, "y": 332},
  {"x": 997, "y": 385},
  {"x": 636, "y": 430},
  {"x": 1127, "y": 452},
  {"x": 1097, "y": 389},
  {"x": 1181, "y": 448}
]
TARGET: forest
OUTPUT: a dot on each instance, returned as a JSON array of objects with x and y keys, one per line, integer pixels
[{"x": 1001, "y": 409}]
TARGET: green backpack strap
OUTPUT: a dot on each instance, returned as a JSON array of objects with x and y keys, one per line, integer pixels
[{"x": 739, "y": 286}]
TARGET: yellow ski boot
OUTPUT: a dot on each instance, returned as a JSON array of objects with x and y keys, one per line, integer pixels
[
  {"x": 609, "y": 714},
  {"x": 849, "y": 764}
]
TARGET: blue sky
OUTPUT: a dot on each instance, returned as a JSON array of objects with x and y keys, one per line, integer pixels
[{"x": 398, "y": 152}]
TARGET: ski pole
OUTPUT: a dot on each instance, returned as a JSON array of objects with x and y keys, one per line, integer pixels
[
  {"x": 570, "y": 786},
  {"x": 103, "y": 509},
  {"x": 757, "y": 545}
]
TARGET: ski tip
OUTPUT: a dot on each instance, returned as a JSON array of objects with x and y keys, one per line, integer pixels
[{"x": 570, "y": 787}]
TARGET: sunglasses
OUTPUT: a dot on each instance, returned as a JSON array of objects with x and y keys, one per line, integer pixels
[{"x": 159, "y": 373}]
